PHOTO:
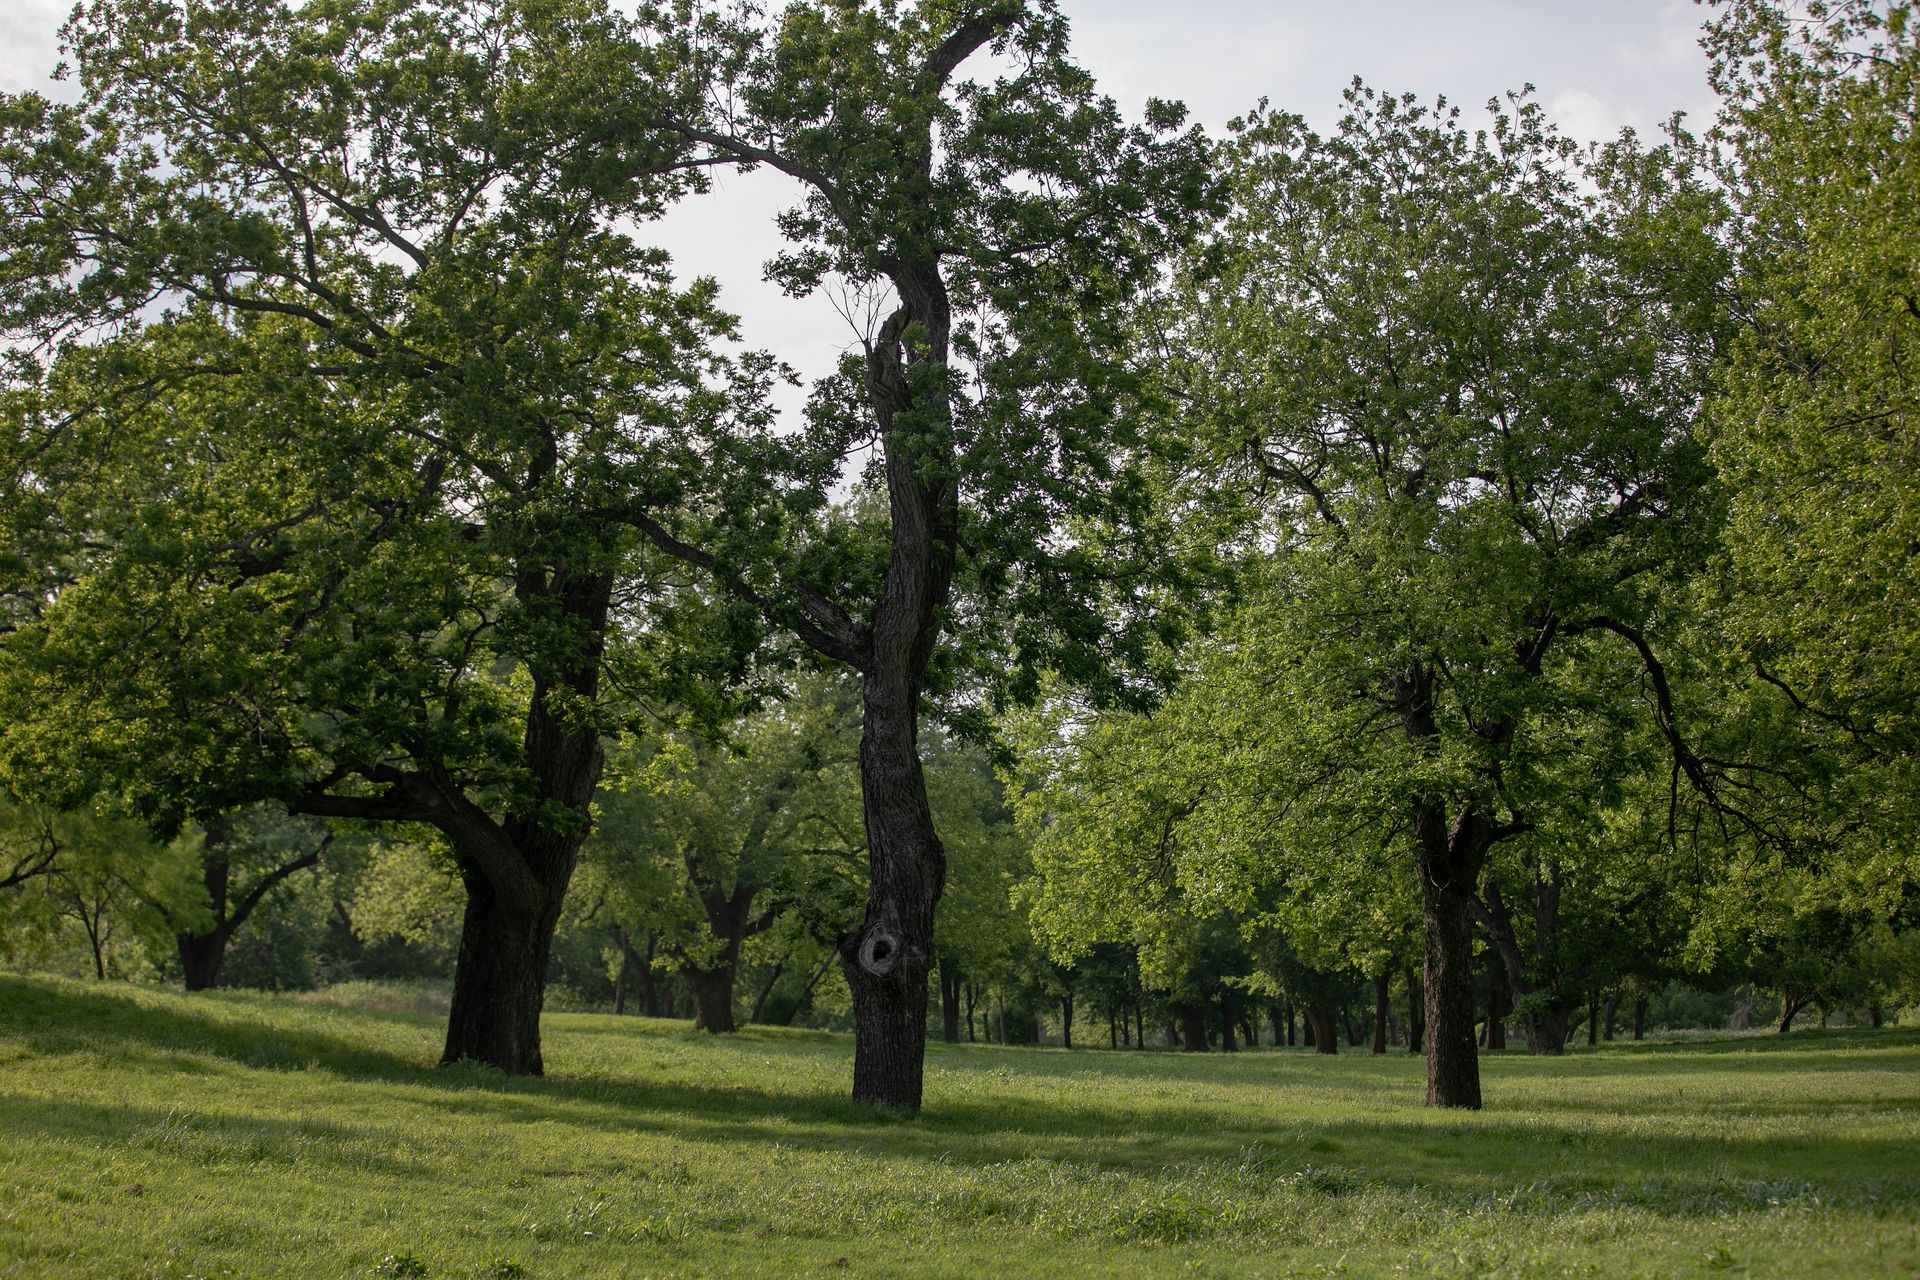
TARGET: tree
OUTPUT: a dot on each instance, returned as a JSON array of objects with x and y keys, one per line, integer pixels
[
  {"x": 1446, "y": 396},
  {"x": 709, "y": 842},
  {"x": 274, "y": 848},
  {"x": 1811, "y": 426},
  {"x": 103, "y": 878},
  {"x": 1816, "y": 598},
  {"x": 341, "y": 383},
  {"x": 1001, "y": 231}
]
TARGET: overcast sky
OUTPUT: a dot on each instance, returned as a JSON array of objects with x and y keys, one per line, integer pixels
[{"x": 1598, "y": 65}]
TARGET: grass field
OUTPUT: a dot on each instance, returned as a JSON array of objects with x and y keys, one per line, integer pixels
[{"x": 146, "y": 1133}]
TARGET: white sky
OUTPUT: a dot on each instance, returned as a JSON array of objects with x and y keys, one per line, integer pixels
[{"x": 1597, "y": 65}]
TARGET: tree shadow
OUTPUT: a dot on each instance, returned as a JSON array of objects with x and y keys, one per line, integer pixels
[{"x": 1542, "y": 1156}]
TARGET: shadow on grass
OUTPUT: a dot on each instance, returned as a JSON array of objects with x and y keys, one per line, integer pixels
[{"x": 1384, "y": 1140}]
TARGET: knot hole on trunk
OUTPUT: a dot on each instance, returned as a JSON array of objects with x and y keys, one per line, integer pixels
[{"x": 880, "y": 952}]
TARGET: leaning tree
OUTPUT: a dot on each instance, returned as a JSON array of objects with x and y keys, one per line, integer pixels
[{"x": 337, "y": 373}]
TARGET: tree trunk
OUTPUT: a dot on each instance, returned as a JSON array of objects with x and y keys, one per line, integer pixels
[
  {"x": 1380, "y": 999},
  {"x": 1193, "y": 1028},
  {"x": 1790, "y": 1009},
  {"x": 1876, "y": 1017},
  {"x": 970, "y": 1000},
  {"x": 517, "y": 870},
  {"x": 499, "y": 982},
  {"x": 886, "y": 960},
  {"x": 626, "y": 970},
  {"x": 1548, "y": 1030},
  {"x": 1066, "y": 1020},
  {"x": 1640, "y": 1016},
  {"x": 1448, "y": 871},
  {"x": 1320, "y": 1032},
  {"x": 950, "y": 1001},
  {"x": 1608, "y": 1013},
  {"x": 1593, "y": 1022},
  {"x": 201, "y": 955},
  {"x": 712, "y": 997},
  {"x": 1139, "y": 1027}
]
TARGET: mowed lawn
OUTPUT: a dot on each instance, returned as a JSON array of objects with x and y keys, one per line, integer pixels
[{"x": 147, "y": 1133}]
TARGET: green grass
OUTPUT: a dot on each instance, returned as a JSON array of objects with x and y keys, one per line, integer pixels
[{"x": 146, "y": 1133}]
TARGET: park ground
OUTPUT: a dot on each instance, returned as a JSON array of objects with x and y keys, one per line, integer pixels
[{"x": 145, "y": 1133}]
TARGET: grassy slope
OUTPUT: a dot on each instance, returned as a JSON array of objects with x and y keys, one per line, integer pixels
[{"x": 145, "y": 1133}]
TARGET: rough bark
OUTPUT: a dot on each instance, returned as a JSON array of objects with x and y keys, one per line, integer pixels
[
  {"x": 886, "y": 959},
  {"x": 1320, "y": 1030},
  {"x": 1453, "y": 1070},
  {"x": 499, "y": 980},
  {"x": 1448, "y": 857}
]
